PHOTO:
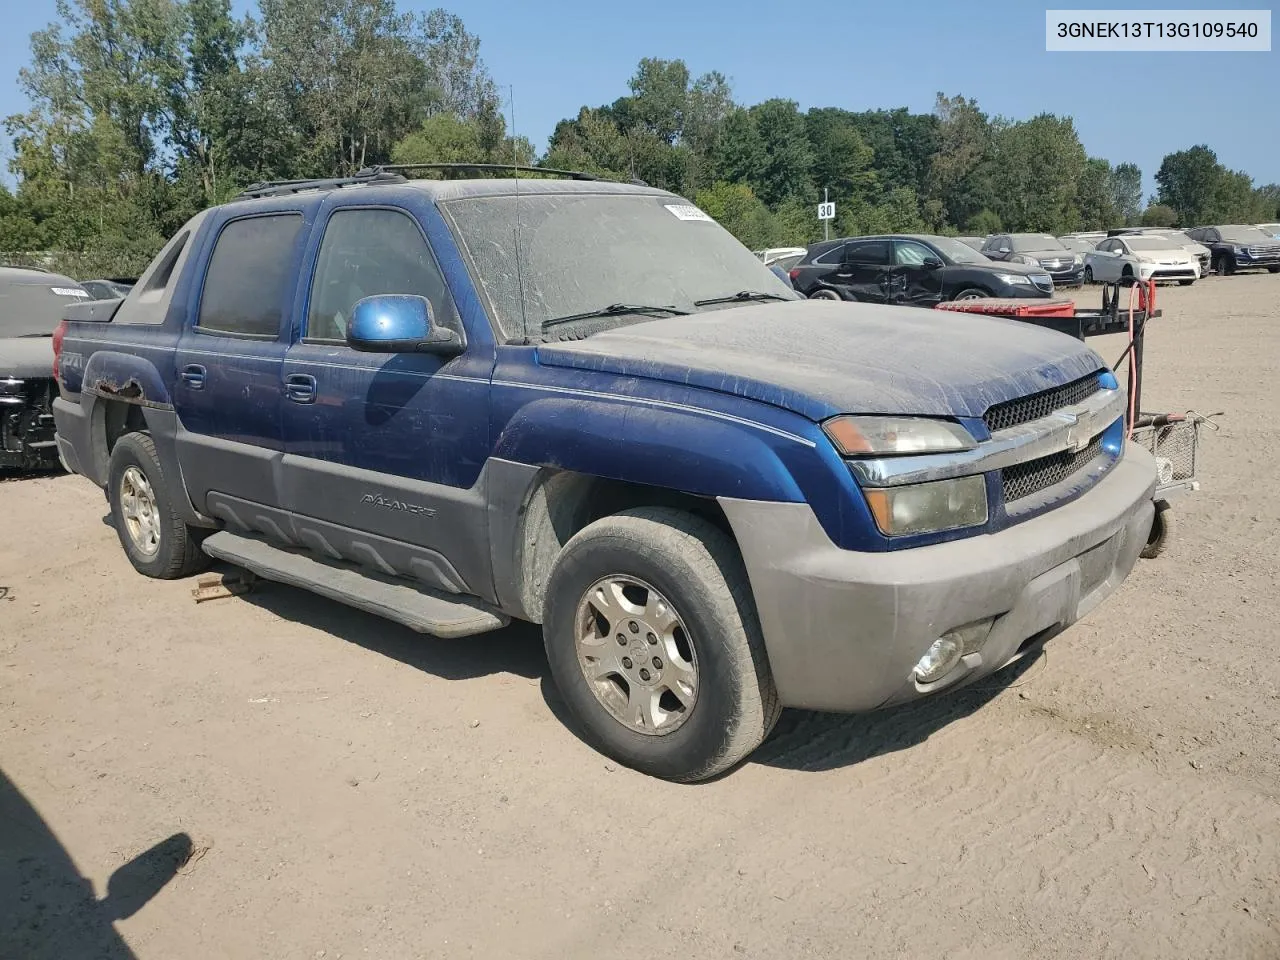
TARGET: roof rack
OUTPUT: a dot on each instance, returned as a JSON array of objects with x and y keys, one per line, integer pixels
[
  {"x": 279, "y": 188},
  {"x": 494, "y": 168},
  {"x": 479, "y": 168}
]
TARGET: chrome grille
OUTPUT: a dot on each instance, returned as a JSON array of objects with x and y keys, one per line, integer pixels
[
  {"x": 1010, "y": 413},
  {"x": 1024, "y": 479}
]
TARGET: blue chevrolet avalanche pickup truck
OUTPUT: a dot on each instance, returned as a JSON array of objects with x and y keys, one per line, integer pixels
[{"x": 584, "y": 404}]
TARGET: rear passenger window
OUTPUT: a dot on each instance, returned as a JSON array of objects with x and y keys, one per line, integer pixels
[
  {"x": 249, "y": 275},
  {"x": 367, "y": 252},
  {"x": 875, "y": 252}
]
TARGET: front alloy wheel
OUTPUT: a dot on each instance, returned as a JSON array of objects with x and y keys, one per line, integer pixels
[{"x": 635, "y": 654}]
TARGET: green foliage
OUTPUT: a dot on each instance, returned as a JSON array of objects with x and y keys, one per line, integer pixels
[
  {"x": 984, "y": 222},
  {"x": 1125, "y": 188},
  {"x": 1095, "y": 208},
  {"x": 1159, "y": 215},
  {"x": 1039, "y": 164},
  {"x": 1188, "y": 181}
]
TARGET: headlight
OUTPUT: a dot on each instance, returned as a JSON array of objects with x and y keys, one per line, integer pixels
[
  {"x": 1078, "y": 261},
  {"x": 1014, "y": 278},
  {"x": 1030, "y": 261},
  {"x": 863, "y": 436},
  {"x": 10, "y": 387},
  {"x": 928, "y": 507},
  {"x": 1241, "y": 251}
]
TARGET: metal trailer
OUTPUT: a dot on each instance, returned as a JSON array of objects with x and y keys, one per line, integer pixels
[{"x": 1172, "y": 438}]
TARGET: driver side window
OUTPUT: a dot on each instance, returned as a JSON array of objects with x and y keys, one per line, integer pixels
[
  {"x": 367, "y": 252},
  {"x": 908, "y": 254}
]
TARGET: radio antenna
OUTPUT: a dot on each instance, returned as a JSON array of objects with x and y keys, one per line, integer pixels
[{"x": 515, "y": 173}]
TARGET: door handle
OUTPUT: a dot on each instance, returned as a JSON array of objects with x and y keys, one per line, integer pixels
[
  {"x": 193, "y": 376},
  {"x": 300, "y": 387}
]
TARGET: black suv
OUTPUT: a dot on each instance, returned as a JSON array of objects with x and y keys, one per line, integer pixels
[
  {"x": 1038, "y": 249},
  {"x": 909, "y": 269},
  {"x": 1239, "y": 248}
]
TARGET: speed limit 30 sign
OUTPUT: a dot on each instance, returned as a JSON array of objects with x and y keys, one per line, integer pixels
[{"x": 827, "y": 211}]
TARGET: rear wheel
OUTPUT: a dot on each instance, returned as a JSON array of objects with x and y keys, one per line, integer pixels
[
  {"x": 1127, "y": 277},
  {"x": 653, "y": 641},
  {"x": 972, "y": 293},
  {"x": 824, "y": 294},
  {"x": 155, "y": 539}
]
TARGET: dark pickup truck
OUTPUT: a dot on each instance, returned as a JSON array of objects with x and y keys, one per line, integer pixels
[{"x": 584, "y": 404}]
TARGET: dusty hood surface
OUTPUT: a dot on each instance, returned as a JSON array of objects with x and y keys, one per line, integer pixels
[
  {"x": 819, "y": 358},
  {"x": 26, "y": 357}
]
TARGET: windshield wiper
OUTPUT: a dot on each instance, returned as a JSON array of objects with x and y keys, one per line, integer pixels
[
  {"x": 742, "y": 296},
  {"x": 615, "y": 310}
]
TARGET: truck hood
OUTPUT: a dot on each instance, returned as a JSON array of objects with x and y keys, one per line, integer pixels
[
  {"x": 820, "y": 358},
  {"x": 24, "y": 358}
]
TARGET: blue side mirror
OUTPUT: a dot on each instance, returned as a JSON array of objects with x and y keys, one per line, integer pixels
[{"x": 399, "y": 323}]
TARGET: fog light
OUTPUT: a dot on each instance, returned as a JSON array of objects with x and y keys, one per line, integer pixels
[
  {"x": 947, "y": 650},
  {"x": 938, "y": 659}
]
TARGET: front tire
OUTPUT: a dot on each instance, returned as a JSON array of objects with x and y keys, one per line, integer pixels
[
  {"x": 156, "y": 540},
  {"x": 1185, "y": 283},
  {"x": 654, "y": 642},
  {"x": 1273, "y": 269},
  {"x": 1226, "y": 267},
  {"x": 824, "y": 294},
  {"x": 1088, "y": 274},
  {"x": 972, "y": 293}
]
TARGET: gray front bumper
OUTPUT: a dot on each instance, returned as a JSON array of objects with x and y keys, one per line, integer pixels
[{"x": 844, "y": 629}]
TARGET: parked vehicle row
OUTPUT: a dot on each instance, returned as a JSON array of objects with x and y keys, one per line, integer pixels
[
  {"x": 1237, "y": 247},
  {"x": 716, "y": 497}
]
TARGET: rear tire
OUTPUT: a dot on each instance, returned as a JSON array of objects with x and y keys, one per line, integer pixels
[
  {"x": 674, "y": 588},
  {"x": 156, "y": 540}
]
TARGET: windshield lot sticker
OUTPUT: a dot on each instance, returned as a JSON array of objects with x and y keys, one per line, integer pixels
[
  {"x": 686, "y": 211},
  {"x": 68, "y": 292}
]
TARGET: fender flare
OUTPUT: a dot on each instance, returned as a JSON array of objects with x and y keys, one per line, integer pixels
[{"x": 125, "y": 377}]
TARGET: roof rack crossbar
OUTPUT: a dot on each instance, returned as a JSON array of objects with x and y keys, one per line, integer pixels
[
  {"x": 482, "y": 168},
  {"x": 279, "y": 188}
]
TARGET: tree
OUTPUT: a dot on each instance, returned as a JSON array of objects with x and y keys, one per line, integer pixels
[
  {"x": 1095, "y": 209},
  {"x": 960, "y": 170},
  {"x": 841, "y": 160},
  {"x": 1269, "y": 202},
  {"x": 1125, "y": 188},
  {"x": 738, "y": 210},
  {"x": 1159, "y": 215},
  {"x": 1188, "y": 181},
  {"x": 787, "y": 158},
  {"x": 659, "y": 97},
  {"x": 355, "y": 76},
  {"x": 1039, "y": 164}
]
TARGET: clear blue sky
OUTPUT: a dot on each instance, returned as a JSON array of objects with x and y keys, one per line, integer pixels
[{"x": 1127, "y": 106}]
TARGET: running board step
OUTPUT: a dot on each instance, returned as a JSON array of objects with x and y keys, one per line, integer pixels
[{"x": 418, "y": 608}]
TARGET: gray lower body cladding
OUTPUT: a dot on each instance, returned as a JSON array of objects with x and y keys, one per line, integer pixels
[{"x": 844, "y": 630}]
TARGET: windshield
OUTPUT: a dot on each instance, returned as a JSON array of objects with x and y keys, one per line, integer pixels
[
  {"x": 1271, "y": 228},
  {"x": 1078, "y": 244},
  {"x": 1026, "y": 242},
  {"x": 1178, "y": 238},
  {"x": 33, "y": 305},
  {"x": 957, "y": 252},
  {"x": 1246, "y": 235},
  {"x": 1151, "y": 243},
  {"x": 583, "y": 252}
]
